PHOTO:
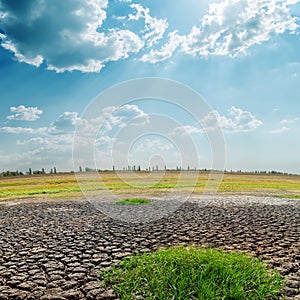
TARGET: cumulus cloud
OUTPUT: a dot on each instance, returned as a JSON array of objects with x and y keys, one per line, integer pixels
[
  {"x": 56, "y": 140},
  {"x": 154, "y": 28},
  {"x": 166, "y": 50},
  {"x": 66, "y": 122},
  {"x": 78, "y": 35},
  {"x": 280, "y": 130},
  {"x": 237, "y": 120},
  {"x": 113, "y": 116},
  {"x": 231, "y": 27},
  {"x": 110, "y": 117},
  {"x": 24, "y": 113},
  {"x": 66, "y": 35}
]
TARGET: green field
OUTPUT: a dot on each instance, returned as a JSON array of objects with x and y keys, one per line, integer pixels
[{"x": 66, "y": 185}]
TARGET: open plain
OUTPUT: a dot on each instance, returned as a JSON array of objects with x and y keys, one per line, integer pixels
[{"x": 55, "y": 248}]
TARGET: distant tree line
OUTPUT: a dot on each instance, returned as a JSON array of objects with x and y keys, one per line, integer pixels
[
  {"x": 136, "y": 168},
  {"x": 259, "y": 172},
  {"x": 29, "y": 172}
]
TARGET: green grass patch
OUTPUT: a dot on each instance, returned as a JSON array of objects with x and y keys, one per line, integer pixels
[
  {"x": 132, "y": 201},
  {"x": 289, "y": 196},
  {"x": 192, "y": 273}
]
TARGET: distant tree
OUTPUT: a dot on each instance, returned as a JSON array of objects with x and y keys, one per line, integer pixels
[
  {"x": 54, "y": 170},
  {"x": 139, "y": 168},
  {"x": 80, "y": 169},
  {"x": 114, "y": 168},
  {"x": 29, "y": 171},
  {"x": 43, "y": 171}
]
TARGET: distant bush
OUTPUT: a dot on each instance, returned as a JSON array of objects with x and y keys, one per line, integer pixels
[{"x": 11, "y": 173}]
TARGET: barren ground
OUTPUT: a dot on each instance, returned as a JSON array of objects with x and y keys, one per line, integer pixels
[{"x": 55, "y": 249}]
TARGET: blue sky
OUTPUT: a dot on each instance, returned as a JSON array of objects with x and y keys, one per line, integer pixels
[{"x": 241, "y": 56}]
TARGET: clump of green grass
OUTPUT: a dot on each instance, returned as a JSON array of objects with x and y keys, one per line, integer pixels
[
  {"x": 132, "y": 201},
  {"x": 192, "y": 273}
]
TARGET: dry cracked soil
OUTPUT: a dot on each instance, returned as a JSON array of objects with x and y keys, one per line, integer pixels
[{"x": 56, "y": 249}]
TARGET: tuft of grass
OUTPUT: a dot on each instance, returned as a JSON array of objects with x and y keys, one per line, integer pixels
[
  {"x": 132, "y": 201},
  {"x": 192, "y": 273}
]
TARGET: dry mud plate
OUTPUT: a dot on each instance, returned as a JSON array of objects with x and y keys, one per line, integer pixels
[{"x": 55, "y": 250}]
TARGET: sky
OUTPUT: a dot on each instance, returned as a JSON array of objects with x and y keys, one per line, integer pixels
[{"x": 64, "y": 67}]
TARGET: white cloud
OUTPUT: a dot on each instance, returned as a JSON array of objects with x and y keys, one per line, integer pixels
[
  {"x": 166, "y": 50},
  {"x": 56, "y": 140},
  {"x": 186, "y": 130},
  {"x": 20, "y": 130},
  {"x": 231, "y": 27},
  {"x": 289, "y": 121},
  {"x": 51, "y": 142},
  {"x": 31, "y": 60},
  {"x": 154, "y": 28},
  {"x": 64, "y": 126},
  {"x": 36, "y": 140},
  {"x": 66, "y": 35},
  {"x": 66, "y": 122},
  {"x": 24, "y": 113},
  {"x": 280, "y": 130},
  {"x": 106, "y": 141},
  {"x": 153, "y": 146},
  {"x": 76, "y": 35},
  {"x": 237, "y": 120},
  {"x": 113, "y": 116}
]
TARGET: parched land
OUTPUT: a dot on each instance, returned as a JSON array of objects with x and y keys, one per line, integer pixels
[{"x": 55, "y": 248}]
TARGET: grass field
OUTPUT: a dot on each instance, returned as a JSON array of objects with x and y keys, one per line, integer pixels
[{"x": 66, "y": 185}]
